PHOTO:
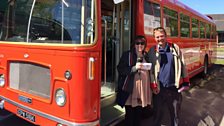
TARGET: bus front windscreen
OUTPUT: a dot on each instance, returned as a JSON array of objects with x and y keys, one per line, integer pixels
[{"x": 48, "y": 21}]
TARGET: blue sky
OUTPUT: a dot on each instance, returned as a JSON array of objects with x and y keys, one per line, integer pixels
[{"x": 206, "y": 6}]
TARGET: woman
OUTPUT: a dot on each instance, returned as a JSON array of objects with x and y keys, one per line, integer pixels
[{"x": 134, "y": 90}]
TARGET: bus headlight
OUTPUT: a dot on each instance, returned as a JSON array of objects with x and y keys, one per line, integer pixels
[
  {"x": 2, "y": 80},
  {"x": 60, "y": 124},
  {"x": 60, "y": 97}
]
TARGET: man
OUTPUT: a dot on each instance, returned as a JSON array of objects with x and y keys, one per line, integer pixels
[{"x": 168, "y": 70}]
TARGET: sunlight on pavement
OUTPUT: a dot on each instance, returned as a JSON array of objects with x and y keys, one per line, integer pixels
[
  {"x": 208, "y": 121},
  {"x": 222, "y": 122}
]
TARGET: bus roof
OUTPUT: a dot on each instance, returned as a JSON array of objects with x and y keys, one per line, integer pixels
[{"x": 188, "y": 9}]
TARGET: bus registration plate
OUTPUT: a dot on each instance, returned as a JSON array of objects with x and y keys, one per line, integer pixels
[{"x": 26, "y": 115}]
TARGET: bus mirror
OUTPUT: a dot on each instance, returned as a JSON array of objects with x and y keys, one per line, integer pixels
[
  {"x": 118, "y": 1},
  {"x": 89, "y": 29},
  {"x": 89, "y": 26}
]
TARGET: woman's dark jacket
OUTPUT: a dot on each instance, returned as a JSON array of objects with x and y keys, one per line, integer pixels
[{"x": 126, "y": 71}]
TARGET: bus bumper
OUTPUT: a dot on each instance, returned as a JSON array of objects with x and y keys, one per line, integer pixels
[{"x": 45, "y": 116}]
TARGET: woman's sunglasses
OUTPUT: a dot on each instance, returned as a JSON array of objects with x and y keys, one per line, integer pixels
[{"x": 140, "y": 43}]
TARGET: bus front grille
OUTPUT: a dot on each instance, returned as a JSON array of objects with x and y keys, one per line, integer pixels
[{"x": 30, "y": 78}]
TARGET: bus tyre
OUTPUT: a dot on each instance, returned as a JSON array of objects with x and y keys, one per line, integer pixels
[{"x": 205, "y": 71}]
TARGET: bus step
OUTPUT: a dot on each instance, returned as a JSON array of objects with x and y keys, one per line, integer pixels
[{"x": 111, "y": 115}]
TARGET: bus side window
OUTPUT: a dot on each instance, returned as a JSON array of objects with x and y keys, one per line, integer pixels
[
  {"x": 171, "y": 22},
  {"x": 184, "y": 25},
  {"x": 202, "y": 29},
  {"x": 152, "y": 17},
  {"x": 208, "y": 28},
  {"x": 213, "y": 32},
  {"x": 195, "y": 25}
]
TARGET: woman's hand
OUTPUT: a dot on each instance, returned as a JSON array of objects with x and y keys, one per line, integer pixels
[{"x": 139, "y": 66}]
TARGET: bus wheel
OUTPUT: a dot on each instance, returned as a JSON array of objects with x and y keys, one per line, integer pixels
[{"x": 205, "y": 72}]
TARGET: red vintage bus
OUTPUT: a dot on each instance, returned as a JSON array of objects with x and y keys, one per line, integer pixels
[{"x": 58, "y": 57}]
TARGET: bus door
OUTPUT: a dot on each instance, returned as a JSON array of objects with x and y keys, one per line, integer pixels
[{"x": 116, "y": 36}]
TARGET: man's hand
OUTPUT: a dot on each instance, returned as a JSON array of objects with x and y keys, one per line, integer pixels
[
  {"x": 184, "y": 86},
  {"x": 155, "y": 91}
]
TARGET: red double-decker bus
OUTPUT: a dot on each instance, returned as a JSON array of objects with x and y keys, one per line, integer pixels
[{"x": 58, "y": 57}]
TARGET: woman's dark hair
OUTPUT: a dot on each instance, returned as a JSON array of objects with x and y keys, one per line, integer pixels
[{"x": 139, "y": 38}]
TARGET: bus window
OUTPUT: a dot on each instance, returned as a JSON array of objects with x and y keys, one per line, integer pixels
[
  {"x": 152, "y": 17},
  {"x": 14, "y": 27},
  {"x": 171, "y": 22},
  {"x": 52, "y": 21},
  {"x": 213, "y": 32},
  {"x": 3, "y": 7},
  {"x": 184, "y": 25},
  {"x": 46, "y": 25},
  {"x": 64, "y": 22},
  {"x": 208, "y": 31},
  {"x": 202, "y": 30},
  {"x": 194, "y": 25}
]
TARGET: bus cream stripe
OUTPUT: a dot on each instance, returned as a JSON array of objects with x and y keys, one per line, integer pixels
[{"x": 196, "y": 70}]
